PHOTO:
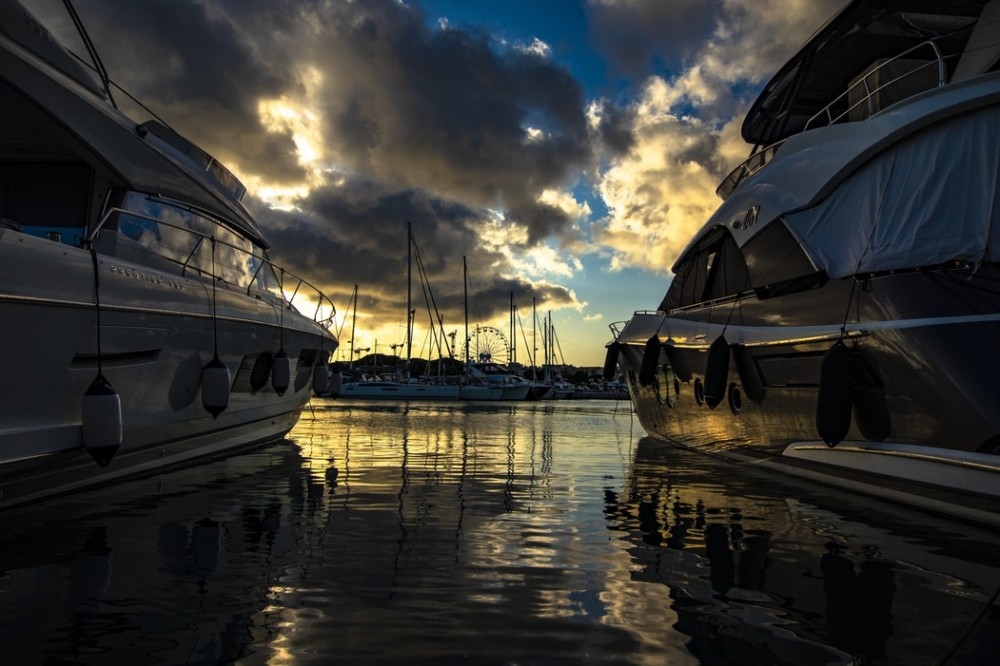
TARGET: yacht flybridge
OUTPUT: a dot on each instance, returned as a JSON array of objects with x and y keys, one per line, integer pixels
[
  {"x": 838, "y": 315},
  {"x": 143, "y": 323}
]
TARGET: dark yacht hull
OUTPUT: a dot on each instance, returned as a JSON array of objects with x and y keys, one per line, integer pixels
[{"x": 925, "y": 395}]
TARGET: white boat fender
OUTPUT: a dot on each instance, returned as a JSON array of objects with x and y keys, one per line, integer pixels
[
  {"x": 215, "y": 386},
  {"x": 321, "y": 375},
  {"x": 650, "y": 359},
  {"x": 717, "y": 372},
  {"x": 749, "y": 375},
  {"x": 835, "y": 394},
  {"x": 280, "y": 372},
  {"x": 101, "y": 420},
  {"x": 611, "y": 361}
]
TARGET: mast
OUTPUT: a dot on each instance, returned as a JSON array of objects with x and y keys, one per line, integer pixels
[
  {"x": 409, "y": 297},
  {"x": 534, "y": 341},
  {"x": 465, "y": 304},
  {"x": 354, "y": 320},
  {"x": 513, "y": 332}
]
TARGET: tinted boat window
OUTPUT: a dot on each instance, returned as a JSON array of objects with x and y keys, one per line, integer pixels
[
  {"x": 713, "y": 268},
  {"x": 165, "y": 234}
]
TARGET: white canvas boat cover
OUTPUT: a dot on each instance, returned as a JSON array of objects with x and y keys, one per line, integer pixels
[{"x": 930, "y": 199}]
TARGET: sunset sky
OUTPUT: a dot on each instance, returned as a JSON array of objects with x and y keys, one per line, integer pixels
[{"x": 568, "y": 148}]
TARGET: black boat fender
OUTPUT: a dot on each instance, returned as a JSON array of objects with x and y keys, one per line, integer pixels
[
  {"x": 611, "y": 361},
  {"x": 101, "y": 421},
  {"x": 650, "y": 359},
  {"x": 677, "y": 363},
  {"x": 215, "y": 383},
  {"x": 835, "y": 395},
  {"x": 717, "y": 372},
  {"x": 753, "y": 386},
  {"x": 871, "y": 410},
  {"x": 280, "y": 372},
  {"x": 261, "y": 371}
]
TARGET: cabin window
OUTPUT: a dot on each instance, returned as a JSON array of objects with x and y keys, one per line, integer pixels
[
  {"x": 46, "y": 199},
  {"x": 171, "y": 235},
  {"x": 712, "y": 269}
]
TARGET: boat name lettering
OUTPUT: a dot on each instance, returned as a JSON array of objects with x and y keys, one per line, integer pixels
[{"x": 146, "y": 277}]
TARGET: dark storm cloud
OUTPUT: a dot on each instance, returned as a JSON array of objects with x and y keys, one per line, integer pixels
[
  {"x": 430, "y": 126},
  {"x": 448, "y": 110},
  {"x": 204, "y": 71},
  {"x": 640, "y": 34},
  {"x": 356, "y": 233},
  {"x": 615, "y": 128}
]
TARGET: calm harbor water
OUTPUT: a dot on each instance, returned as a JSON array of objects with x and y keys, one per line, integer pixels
[{"x": 495, "y": 533}]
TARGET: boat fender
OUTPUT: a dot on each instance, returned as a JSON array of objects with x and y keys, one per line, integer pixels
[
  {"x": 101, "y": 420},
  {"x": 717, "y": 372},
  {"x": 650, "y": 359},
  {"x": 871, "y": 412},
  {"x": 677, "y": 363},
  {"x": 834, "y": 398},
  {"x": 261, "y": 371},
  {"x": 321, "y": 376},
  {"x": 753, "y": 386},
  {"x": 336, "y": 381},
  {"x": 611, "y": 361},
  {"x": 280, "y": 372},
  {"x": 215, "y": 387}
]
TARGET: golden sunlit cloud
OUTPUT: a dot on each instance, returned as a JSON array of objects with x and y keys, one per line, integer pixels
[
  {"x": 659, "y": 193},
  {"x": 564, "y": 201},
  {"x": 297, "y": 118}
]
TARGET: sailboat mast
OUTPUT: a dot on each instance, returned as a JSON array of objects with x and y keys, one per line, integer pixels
[
  {"x": 465, "y": 304},
  {"x": 513, "y": 332},
  {"x": 354, "y": 320},
  {"x": 534, "y": 340},
  {"x": 409, "y": 297}
]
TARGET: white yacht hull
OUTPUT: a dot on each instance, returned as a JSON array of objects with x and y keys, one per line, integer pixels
[{"x": 156, "y": 335}]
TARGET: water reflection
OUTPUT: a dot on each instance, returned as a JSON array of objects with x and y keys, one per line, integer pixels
[
  {"x": 530, "y": 533},
  {"x": 763, "y": 569}
]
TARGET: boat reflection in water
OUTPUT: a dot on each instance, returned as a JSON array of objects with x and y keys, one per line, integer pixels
[
  {"x": 757, "y": 577},
  {"x": 504, "y": 532}
]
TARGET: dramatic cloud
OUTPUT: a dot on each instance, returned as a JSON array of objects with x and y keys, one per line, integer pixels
[
  {"x": 349, "y": 119},
  {"x": 685, "y": 128}
]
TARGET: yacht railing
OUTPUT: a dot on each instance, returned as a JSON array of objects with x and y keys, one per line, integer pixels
[
  {"x": 867, "y": 98},
  {"x": 304, "y": 291},
  {"x": 750, "y": 166},
  {"x": 869, "y": 94}
]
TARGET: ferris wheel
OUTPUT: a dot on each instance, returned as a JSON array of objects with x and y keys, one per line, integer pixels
[{"x": 488, "y": 344}]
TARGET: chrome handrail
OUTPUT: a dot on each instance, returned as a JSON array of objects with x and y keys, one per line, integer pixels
[
  {"x": 939, "y": 60},
  {"x": 760, "y": 158},
  {"x": 321, "y": 298},
  {"x": 747, "y": 168}
]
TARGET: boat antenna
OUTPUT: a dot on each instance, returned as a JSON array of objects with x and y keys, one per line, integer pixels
[{"x": 101, "y": 71}]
